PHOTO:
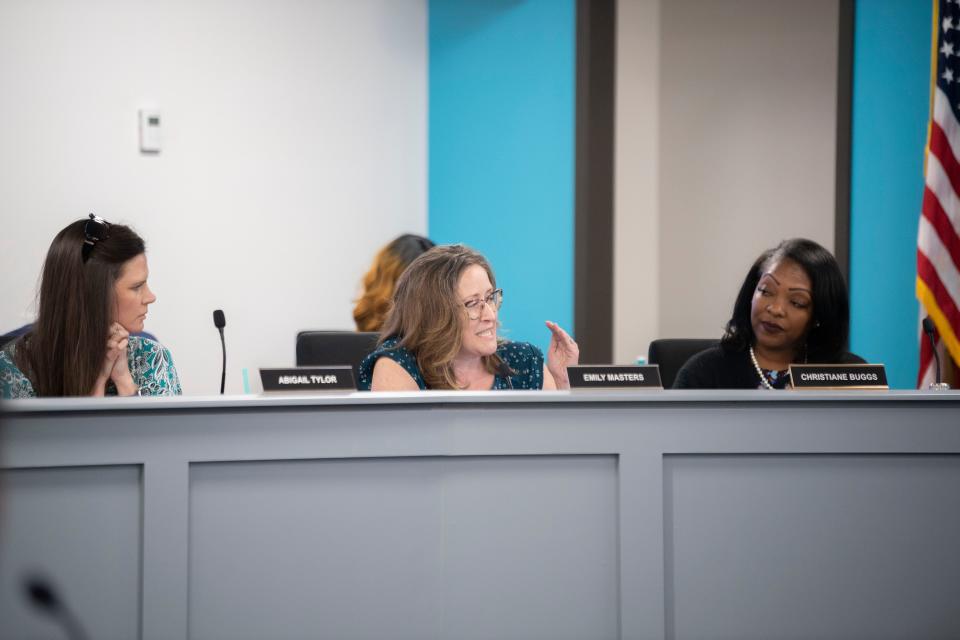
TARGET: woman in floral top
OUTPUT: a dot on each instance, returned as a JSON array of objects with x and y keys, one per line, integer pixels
[
  {"x": 441, "y": 333},
  {"x": 93, "y": 296}
]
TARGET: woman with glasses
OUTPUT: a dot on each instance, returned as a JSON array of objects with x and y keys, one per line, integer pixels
[
  {"x": 792, "y": 308},
  {"x": 93, "y": 297},
  {"x": 441, "y": 333}
]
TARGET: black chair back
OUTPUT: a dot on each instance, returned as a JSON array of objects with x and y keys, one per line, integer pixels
[
  {"x": 10, "y": 336},
  {"x": 672, "y": 353},
  {"x": 19, "y": 331},
  {"x": 332, "y": 348}
]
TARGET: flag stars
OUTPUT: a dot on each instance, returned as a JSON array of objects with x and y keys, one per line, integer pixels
[
  {"x": 948, "y": 75},
  {"x": 948, "y": 24},
  {"x": 947, "y": 48}
]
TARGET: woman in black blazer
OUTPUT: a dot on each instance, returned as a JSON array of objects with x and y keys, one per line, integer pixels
[{"x": 792, "y": 308}]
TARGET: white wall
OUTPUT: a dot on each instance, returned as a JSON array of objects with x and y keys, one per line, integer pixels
[
  {"x": 294, "y": 146},
  {"x": 742, "y": 157},
  {"x": 636, "y": 287}
]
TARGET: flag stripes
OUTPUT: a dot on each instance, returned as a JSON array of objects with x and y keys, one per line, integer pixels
[{"x": 938, "y": 235}]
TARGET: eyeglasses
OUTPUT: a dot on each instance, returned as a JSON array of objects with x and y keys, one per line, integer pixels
[
  {"x": 94, "y": 230},
  {"x": 475, "y": 307}
]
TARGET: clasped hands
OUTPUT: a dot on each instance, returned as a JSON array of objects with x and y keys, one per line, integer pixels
[
  {"x": 115, "y": 366},
  {"x": 563, "y": 352}
]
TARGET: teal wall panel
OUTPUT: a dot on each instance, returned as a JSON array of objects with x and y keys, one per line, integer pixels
[
  {"x": 891, "y": 94},
  {"x": 501, "y": 167}
]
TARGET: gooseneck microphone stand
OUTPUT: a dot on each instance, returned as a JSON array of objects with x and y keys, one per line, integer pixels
[
  {"x": 43, "y": 596},
  {"x": 220, "y": 321},
  {"x": 929, "y": 329}
]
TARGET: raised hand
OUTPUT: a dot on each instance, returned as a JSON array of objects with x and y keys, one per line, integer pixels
[{"x": 563, "y": 352}]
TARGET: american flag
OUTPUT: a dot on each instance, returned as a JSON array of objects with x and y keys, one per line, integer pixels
[{"x": 938, "y": 240}]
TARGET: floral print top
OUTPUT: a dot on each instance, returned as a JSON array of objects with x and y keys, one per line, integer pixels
[
  {"x": 150, "y": 365},
  {"x": 524, "y": 360}
]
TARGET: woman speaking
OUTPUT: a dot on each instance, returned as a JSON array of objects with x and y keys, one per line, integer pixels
[
  {"x": 93, "y": 297},
  {"x": 441, "y": 333},
  {"x": 792, "y": 308}
]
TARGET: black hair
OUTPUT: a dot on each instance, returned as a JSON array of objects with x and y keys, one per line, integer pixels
[
  {"x": 830, "y": 322},
  {"x": 409, "y": 246}
]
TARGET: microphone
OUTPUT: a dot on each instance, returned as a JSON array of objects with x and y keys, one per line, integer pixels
[
  {"x": 219, "y": 321},
  {"x": 504, "y": 370},
  {"x": 42, "y": 595},
  {"x": 930, "y": 329}
]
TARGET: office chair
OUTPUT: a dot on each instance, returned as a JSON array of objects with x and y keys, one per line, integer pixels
[
  {"x": 331, "y": 348},
  {"x": 19, "y": 331},
  {"x": 672, "y": 353},
  {"x": 13, "y": 334}
]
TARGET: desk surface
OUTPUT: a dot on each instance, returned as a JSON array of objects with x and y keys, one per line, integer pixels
[{"x": 472, "y": 397}]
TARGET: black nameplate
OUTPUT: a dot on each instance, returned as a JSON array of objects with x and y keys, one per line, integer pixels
[
  {"x": 308, "y": 379},
  {"x": 838, "y": 376},
  {"x": 613, "y": 376}
]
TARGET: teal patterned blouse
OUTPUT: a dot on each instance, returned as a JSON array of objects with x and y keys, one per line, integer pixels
[
  {"x": 524, "y": 359},
  {"x": 150, "y": 365}
]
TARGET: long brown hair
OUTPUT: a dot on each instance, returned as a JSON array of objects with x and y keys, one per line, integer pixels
[
  {"x": 380, "y": 281},
  {"x": 427, "y": 314},
  {"x": 63, "y": 354}
]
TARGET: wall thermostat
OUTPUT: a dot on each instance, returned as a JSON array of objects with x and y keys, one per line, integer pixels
[{"x": 150, "y": 131}]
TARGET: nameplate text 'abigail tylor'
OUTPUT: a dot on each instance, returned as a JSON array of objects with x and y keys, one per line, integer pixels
[{"x": 308, "y": 379}]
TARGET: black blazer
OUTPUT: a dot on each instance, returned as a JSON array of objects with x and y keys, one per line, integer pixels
[{"x": 719, "y": 368}]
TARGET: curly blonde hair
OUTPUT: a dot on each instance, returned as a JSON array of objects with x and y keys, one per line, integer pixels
[{"x": 379, "y": 282}]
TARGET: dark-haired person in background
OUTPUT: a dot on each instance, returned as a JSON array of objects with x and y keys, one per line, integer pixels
[
  {"x": 93, "y": 295},
  {"x": 381, "y": 279},
  {"x": 792, "y": 308},
  {"x": 442, "y": 333}
]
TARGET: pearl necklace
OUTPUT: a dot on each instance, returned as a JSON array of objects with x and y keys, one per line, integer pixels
[{"x": 756, "y": 365}]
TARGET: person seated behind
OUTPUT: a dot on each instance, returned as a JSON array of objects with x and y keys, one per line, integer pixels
[
  {"x": 441, "y": 333},
  {"x": 93, "y": 295},
  {"x": 381, "y": 279},
  {"x": 792, "y": 308}
]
